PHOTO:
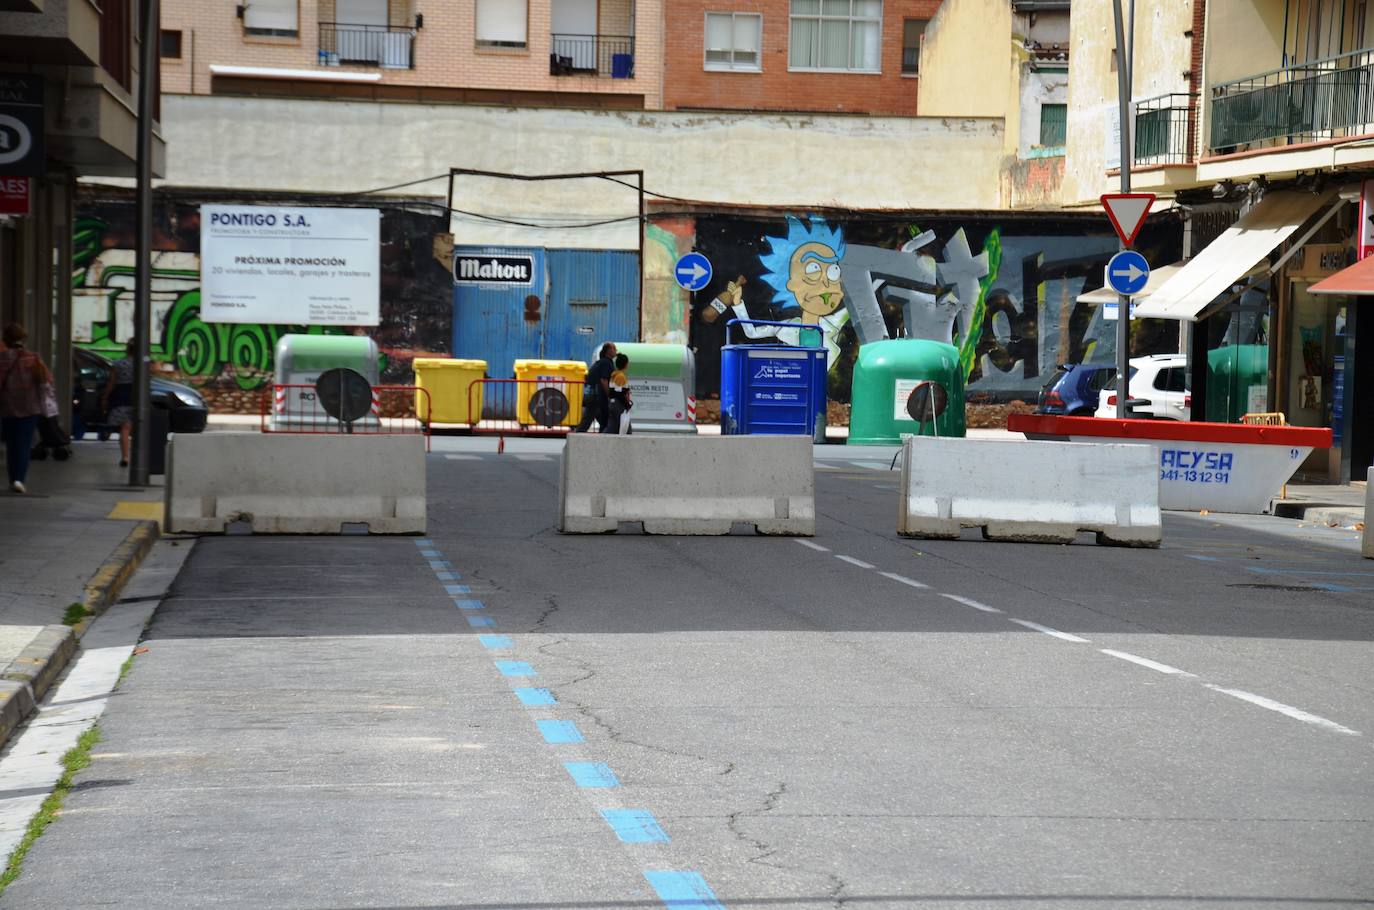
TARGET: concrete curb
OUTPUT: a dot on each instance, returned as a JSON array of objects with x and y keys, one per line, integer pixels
[
  {"x": 27, "y": 679},
  {"x": 1322, "y": 513}
]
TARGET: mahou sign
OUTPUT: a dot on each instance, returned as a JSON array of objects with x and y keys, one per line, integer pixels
[{"x": 483, "y": 268}]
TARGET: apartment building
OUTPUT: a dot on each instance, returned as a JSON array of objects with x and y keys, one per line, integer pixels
[
  {"x": 68, "y": 82},
  {"x": 1255, "y": 118},
  {"x": 547, "y": 53}
]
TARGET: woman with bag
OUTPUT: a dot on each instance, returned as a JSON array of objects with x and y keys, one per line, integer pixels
[
  {"x": 24, "y": 380},
  {"x": 118, "y": 399}
]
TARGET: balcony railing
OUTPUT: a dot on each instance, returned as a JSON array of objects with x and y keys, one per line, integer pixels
[
  {"x": 346, "y": 44},
  {"x": 593, "y": 55},
  {"x": 1321, "y": 99},
  {"x": 1164, "y": 130}
]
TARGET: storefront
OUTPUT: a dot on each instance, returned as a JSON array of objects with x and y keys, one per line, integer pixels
[{"x": 1350, "y": 293}]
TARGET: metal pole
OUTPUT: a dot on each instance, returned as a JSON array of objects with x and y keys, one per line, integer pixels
[
  {"x": 143, "y": 275},
  {"x": 1123, "y": 307}
]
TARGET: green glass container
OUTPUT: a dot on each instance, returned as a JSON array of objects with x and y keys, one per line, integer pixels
[
  {"x": 1233, "y": 372},
  {"x": 887, "y": 375}
]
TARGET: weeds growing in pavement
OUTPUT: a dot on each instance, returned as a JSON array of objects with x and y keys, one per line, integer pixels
[{"x": 77, "y": 758}]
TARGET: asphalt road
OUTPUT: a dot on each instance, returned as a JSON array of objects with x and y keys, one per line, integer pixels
[{"x": 500, "y": 716}]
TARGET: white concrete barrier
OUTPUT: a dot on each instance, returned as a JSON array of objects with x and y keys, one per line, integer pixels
[
  {"x": 283, "y": 483},
  {"x": 687, "y": 484},
  {"x": 1367, "y": 537},
  {"x": 1029, "y": 491}
]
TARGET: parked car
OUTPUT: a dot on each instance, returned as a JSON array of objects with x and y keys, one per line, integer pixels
[
  {"x": 187, "y": 411},
  {"x": 1158, "y": 389},
  {"x": 1074, "y": 389}
]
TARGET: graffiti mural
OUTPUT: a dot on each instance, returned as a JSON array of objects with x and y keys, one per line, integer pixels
[
  {"x": 231, "y": 362},
  {"x": 1004, "y": 291}
]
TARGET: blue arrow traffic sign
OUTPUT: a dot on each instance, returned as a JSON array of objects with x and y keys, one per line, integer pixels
[
  {"x": 693, "y": 272},
  {"x": 1127, "y": 272}
]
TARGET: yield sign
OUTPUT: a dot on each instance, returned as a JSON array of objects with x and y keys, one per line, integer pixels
[{"x": 1127, "y": 212}]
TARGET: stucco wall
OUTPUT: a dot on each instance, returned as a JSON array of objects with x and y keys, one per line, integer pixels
[
  {"x": 1245, "y": 37},
  {"x": 967, "y": 62},
  {"x": 1162, "y": 59},
  {"x": 922, "y": 163}
]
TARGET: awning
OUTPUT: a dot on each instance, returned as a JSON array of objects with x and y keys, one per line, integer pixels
[
  {"x": 1356, "y": 280},
  {"x": 1227, "y": 259},
  {"x": 272, "y": 72}
]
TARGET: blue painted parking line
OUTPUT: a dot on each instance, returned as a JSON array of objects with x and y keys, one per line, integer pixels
[
  {"x": 447, "y": 576},
  {"x": 496, "y": 642},
  {"x": 531, "y": 697},
  {"x": 457, "y": 589},
  {"x": 592, "y": 774},
  {"x": 469, "y": 604},
  {"x": 431, "y": 554},
  {"x": 438, "y": 564},
  {"x": 1203, "y": 558},
  {"x": 684, "y": 890},
  {"x": 480, "y": 622},
  {"x": 556, "y": 732},
  {"x": 1287, "y": 571},
  {"x": 424, "y": 542},
  {"x": 635, "y": 826},
  {"x": 515, "y": 668}
]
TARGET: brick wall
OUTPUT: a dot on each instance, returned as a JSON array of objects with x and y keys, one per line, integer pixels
[
  {"x": 445, "y": 51},
  {"x": 687, "y": 84}
]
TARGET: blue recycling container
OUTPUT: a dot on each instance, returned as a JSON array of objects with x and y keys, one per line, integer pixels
[{"x": 772, "y": 389}]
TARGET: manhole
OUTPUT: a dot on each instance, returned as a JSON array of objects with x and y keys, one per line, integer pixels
[{"x": 1295, "y": 588}]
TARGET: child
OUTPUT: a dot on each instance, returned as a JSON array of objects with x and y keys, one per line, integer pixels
[{"x": 620, "y": 397}]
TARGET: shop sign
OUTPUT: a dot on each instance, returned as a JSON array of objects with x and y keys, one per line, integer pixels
[
  {"x": 21, "y": 125},
  {"x": 14, "y": 195},
  {"x": 1318, "y": 260}
]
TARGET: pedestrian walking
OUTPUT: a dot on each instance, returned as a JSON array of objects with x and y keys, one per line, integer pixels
[
  {"x": 118, "y": 399},
  {"x": 596, "y": 394},
  {"x": 25, "y": 381},
  {"x": 620, "y": 397}
]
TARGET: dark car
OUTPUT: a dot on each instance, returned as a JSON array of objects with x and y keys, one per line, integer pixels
[
  {"x": 1074, "y": 388},
  {"x": 187, "y": 412}
]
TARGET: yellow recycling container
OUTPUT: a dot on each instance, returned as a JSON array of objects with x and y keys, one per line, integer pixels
[
  {"x": 565, "y": 376},
  {"x": 448, "y": 382}
]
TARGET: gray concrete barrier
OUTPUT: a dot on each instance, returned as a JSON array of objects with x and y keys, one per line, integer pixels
[
  {"x": 687, "y": 484},
  {"x": 1366, "y": 537},
  {"x": 283, "y": 483},
  {"x": 1030, "y": 491}
]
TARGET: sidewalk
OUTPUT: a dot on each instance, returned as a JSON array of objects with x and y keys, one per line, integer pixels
[
  {"x": 1334, "y": 505},
  {"x": 58, "y": 547}
]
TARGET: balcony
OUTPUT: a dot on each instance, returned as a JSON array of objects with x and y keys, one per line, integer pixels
[
  {"x": 593, "y": 55},
  {"x": 1309, "y": 102},
  {"x": 1164, "y": 130},
  {"x": 348, "y": 44}
]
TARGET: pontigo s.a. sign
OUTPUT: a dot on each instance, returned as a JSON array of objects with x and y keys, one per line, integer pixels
[{"x": 492, "y": 268}]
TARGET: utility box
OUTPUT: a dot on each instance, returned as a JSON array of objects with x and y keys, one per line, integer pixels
[
  {"x": 444, "y": 390},
  {"x": 300, "y": 361},
  {"x": 663, "y": 381},
  {"x": 773, "y": 389},
  {"x": 898, "y": 381}
]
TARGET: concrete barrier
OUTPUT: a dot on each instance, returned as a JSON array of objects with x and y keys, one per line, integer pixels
[
  {"x": 1029, "y": 491},
  {"x": 1366, "y": 536},
  {"x": 282, "y": 483},
  {"x": 687, "y": 484}
]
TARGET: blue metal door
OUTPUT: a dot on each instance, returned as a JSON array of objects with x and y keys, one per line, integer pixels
[
  {"x": 489, "y": 318},
  {"x": 593, "y": 297}
]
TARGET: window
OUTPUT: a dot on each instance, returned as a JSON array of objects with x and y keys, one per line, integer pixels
[
  {"x": 1174, "y": 379},
  {"x": 502, "y": 23},
  {"x": 733, "y": 41},
  {"x": 270, "y": 18},
  {"x": 171, "y": 44},
  {"x": 913, "y": 30},
  {"x": 836, "y": 35},
  {"x": 1054, "y": 124}
]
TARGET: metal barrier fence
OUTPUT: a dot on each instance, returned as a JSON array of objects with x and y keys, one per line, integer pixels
[
  {"x": 296, "y": 408},
  {"x": 524, "y": 407},
  {"x": 1319, "y": 99}
]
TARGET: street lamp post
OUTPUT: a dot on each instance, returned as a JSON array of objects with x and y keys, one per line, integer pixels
[{"x": 140, "y": 456}]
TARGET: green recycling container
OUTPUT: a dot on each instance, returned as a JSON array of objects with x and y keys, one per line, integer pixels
[
  {"x": 1234, "y": 372},
  {"x": 889, "y": 384},
  {"x": 663, "y": 386}
]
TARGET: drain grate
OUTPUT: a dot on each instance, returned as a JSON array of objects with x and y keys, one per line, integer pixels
[{"x": 1294, "y": 588}]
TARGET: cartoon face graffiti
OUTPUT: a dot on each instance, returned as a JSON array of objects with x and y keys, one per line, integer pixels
[{"x": 814, "y": 279}]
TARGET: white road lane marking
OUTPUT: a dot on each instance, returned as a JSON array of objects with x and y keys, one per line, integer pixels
[
  {"x": 1286, "y": 710},
  {"x": 971, "y": 603},
  {"x": 903, "y": 579},
  {"x": 854, "y": 562},
  {"x": 813, "y": 546},
  {"x": 1146, "y": 662},
  {"x": 1055, "y": 633},
  {"x": 463, "y": 457},
  {"x": 531, "y": 458}
]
